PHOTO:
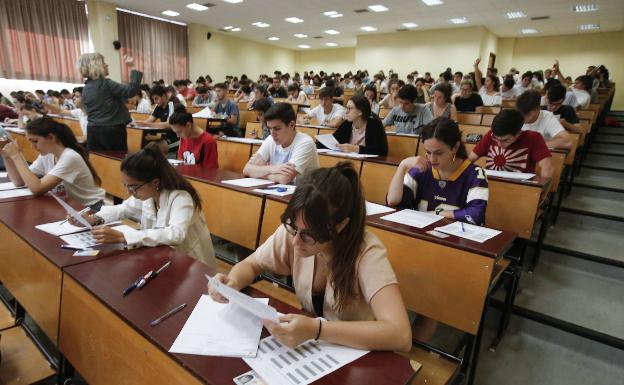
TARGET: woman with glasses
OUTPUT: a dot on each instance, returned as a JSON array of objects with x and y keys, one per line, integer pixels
[
  {"x": 362, "y": 132},
  {"x": 167, "y": 204},
  {"x": 444, "y": 181},
  {"x": 340, "y": 270}
]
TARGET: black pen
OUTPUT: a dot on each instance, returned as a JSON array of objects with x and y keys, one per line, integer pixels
[
  {"x": 134, "y": 284},
  {"x": 153, "y": 275},
  {"x": 167, "y": 314}
]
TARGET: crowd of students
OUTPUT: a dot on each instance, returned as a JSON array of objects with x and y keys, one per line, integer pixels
[{"x": 341, "y": 270}]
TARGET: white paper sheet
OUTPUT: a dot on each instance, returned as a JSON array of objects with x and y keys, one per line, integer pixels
[
  {"x": 243, "y": 140},
  {"x": 328, "y": 140},
  {"x": 510, "y": 175},
  {"x": 374, "y": 208},
  {"x": 175, "y": 162},
  {"x": 351, "y": 154},
  {"x": 216, "y": 329},
  {"x": 3, "y": 174},
  {"x": 20, "y": 192},
  {"x": 85, "y": 240},
  {"x": 205, "y": 113},
  {"x": 277, "y": 364},
  {"x": 413, "y": 218},
  {"x": 244, "y": 301},
  {"x": 59, "y": 228},
  {"x": 7, "y": 186},
  {"x": 70, "y": 210},
  {"x": 248, "y": 182},
  {"x": 272, "y": 190},
  {"x": 471, "y": 232}
]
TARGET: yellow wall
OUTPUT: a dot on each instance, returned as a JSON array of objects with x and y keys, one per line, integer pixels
[
  {"x": 103, "y": 30},
  {"x": 575, "y": 53},
  {"x": 489, "y": 44},
  {"x": 225, "y": 55},
  {"x": 330, "y": 60}
]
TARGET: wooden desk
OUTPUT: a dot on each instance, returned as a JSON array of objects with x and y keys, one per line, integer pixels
[
  {"x": 107, "y": 164},
  {"x": 19, "y": 136},
  {"x": 233, "y": 155},
  {"x": 326, "y": 160},
  {"x": 473, "y": 118},
  {"x": 72, "y": 123},
  {"x": 119, "y": 346},
  {"x": 136, "y": 135},
  {"x": 402, "y": 146},
  {"x": 376, "y": 175}
]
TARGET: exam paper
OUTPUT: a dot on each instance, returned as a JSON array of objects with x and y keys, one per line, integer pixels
[
  {"x": 413, "y": 218},
  {"x": 85, "y": 240},
  {"x": 510, "y": 175},
  {"x": 205, "y": 113},
  {"x": 272, "y": 190},
  {"x": 3, "y": 174},
  {"x": 245, "y": 302},
  {"x": 20, "y": 192},
  {"x": 351, "y": 154},
  {"x": 471, "y": 232},
  {"x": 217, "y": 329},
  {"x": 70, "y": 210},
  {"x": 374, "y": 208},
  {"x": 277, "y": 364},
  {"x": 248, "y": 182},
  {"x": 243, "y": 140},
  {"x": 7, "y": 186},
  {"x": 328, "y": 140},
  {"x": 59, "y": 228}
]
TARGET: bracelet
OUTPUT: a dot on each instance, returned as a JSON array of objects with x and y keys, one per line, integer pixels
[{"x": 319, "y": 330}]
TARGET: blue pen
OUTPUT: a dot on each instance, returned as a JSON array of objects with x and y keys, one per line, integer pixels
[{"x": 276, "y": 188}]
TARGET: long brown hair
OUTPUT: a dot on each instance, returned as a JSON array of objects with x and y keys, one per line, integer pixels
[
  {"x": 325, "y": 197},
  {"x": 150, "y": 163},
  {"x": 45, "y": 126}
]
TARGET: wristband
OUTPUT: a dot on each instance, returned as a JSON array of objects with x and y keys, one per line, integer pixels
[{"x": 319, "y": 330}]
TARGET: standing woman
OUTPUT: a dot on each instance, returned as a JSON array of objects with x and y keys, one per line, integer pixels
[{"x": 105, "y": 102}]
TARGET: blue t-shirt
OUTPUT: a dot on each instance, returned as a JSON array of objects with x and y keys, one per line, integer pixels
[{"x": 229, "y": 109}]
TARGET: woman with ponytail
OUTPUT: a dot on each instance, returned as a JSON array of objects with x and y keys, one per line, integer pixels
[
  {"x": 166, "y": 203},
  {"x": 362, "y": 132},
  {"x": 340, "y": 270},
  {"x": 62, "y": 161}
]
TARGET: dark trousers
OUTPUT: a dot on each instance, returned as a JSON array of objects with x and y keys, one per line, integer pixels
[{"x": 107, "y": 138}]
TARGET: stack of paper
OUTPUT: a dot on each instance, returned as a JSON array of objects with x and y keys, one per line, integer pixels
[
  {"x": 374, "y": 208},
  {"x": 509, "y": 174},
  {"x": 8, "y": 186},
  {"x": 248, "y": 182},
  {"x": 413, "y": 218},
  {"x": 468, "y": 231},
  {"x": 277, "y": 190},
  {"x": 329, "y": 141},
  {"x": 216, "y": 329},
  {"x": 205, "y": 113}
]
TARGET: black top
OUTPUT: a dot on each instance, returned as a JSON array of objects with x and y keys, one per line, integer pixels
[
  {"x": 318, "y": 301},
  {"x": 470, "y": 104},
  {"x": 565, "y": 112},
  {"x": 278, "y": 93},
  {"x": 105, "y": 100},
  {"x": 375, "y": 138}
]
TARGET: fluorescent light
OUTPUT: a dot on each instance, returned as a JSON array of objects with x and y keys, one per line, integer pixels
[
  {"x": 273, "y": 38},
  {"x": 589, "y": 27},
  {"x": 170, "y": 13},
  {"x": 196, "y": 7},
  {"x": 378, "y": 8},
  {"x": 368, "y": 28},
  {"x": 294, "y": 20},
  {"x": 300, "y": 35},
  {"x": 303, "y": 46},
  {"x": 331, "y": 44},
  {"x": 410, "y": 25},
  {"x": 261, "y": 24},
  {"x": 585, "y": 8},
  {"x": 336, "y": 15},
  {"x": 329, "y": 13},
  {"x": 228, "y": 27},
  {"x": 432, "y": 2},
  {"x": 332, "y": 32},
  {"x": 236, "y": 29},
  {"x": 149, "y": 16},
  {"x": 516, "y": 15},
  {"x": 233, "y": 1},
  {"x": 459, "y": 20},
  {"x": 529, "y": 31}
]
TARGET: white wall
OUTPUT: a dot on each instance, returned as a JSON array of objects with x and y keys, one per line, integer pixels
[{"x": 339, "y": 60}]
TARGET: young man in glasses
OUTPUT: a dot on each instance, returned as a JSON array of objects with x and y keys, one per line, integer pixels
[
  {"x": 508, "y": 148},
  {"x": 567, "y": 115}
]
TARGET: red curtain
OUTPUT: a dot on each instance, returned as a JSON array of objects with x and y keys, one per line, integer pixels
[
  {"x": 42, "y": 39},
  {"x": 159, "y": 49}
]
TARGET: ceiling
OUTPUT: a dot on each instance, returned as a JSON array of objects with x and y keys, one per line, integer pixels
[{"x": 488, "y": 13}]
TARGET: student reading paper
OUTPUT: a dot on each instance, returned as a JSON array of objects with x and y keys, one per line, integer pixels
[
  {"x": 196, "y": 145},
  {"x": 61, "y": 162},
  {"x": 167, "y": 204},
  {"x": 445, "y": 182},
  {"x": 340, "y": 270}
]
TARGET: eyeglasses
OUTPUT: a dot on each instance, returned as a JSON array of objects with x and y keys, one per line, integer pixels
[
  {"x": 305, "y": 237},
  {"x": 132, "y": 189}
]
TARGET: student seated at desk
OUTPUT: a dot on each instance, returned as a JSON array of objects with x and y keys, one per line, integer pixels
[
  {"x": 445, "y": 182},
  {"x": 166, "y": 203},
  {"x": 362, "y": 132},
  {"x": 295, "y": 95},
  {"x": 226, "y": 107},
  {"x": 488, "y": 88},
  {"x": 26, "y": 114},
  {"x": 544, "y": 122},
  {"x": 80, "y": 112},
  {"x": 407, "y": 117},
  {"x": 204, "y": 97},
  {"x": 61, "y": 162},
  {"x": 555, "y": 98},
  {"x": 262, "y": 105},
  {"x": 340, "y": 269},
  {"x": 508, "y": 148},
  {"x": 286, "y": 152},
  {"x": 466, "y": 100},
  {"x": 327, "y": 113},
  {"x": 143, "y": 105},
  {"x": 196, "y": 145},
  {"x": 164, "y": 108}
]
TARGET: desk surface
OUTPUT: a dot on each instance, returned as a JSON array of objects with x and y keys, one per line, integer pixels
[{"x": 184, "y": 282}]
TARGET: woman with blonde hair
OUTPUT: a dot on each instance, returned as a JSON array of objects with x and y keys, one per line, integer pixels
[{"x": 104, "y": 100}]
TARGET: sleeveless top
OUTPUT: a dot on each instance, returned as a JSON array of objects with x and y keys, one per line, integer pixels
[{"x": 445, "y": 114}]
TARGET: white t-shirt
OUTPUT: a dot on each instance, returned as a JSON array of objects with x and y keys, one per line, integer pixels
[
  {"x": 490, "y": 100},
  {"x": 546, "y": 124},
  {"x": 76, "y": 176},
  {"x": 511, "y": 93},
  {"x": 301, "y": 152},
  {"x": 144, "y": 106},
  {"x": 82, "y": 118},
  {"x": 570, "y": 100},
  {"x": 520, "y": 89},
  {"x": 583, "y": 97},
  {"x": 319, "y": 114}
]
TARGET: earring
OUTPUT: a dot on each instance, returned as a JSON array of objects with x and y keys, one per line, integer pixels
[{"x": 454, "y": 154}]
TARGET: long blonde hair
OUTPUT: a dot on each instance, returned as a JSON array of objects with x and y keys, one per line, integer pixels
[{"x": 91, "y": 65}]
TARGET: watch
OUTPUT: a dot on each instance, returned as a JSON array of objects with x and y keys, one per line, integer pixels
[{"x": 439, "y": 210}]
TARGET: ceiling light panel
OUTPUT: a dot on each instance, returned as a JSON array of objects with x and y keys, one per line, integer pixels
[
  {"x": 196, "y": 7},
  {"x": 459, "y": 20},
  {"x": 170, "y": 13},
  {"x": 294, "y": 20},
  {"x": 410, "y": 25},
  {"x": 432, "y": 2},
  {"x": 332, "y": 32},
  {"x": 368, "y": 28},
  {"x": 529, "y": 31},
  {"x": 261, "y": 24},
  {"x": 300, "y": 35},
  {"x": 516, "y": 15},
  {"x": 378, "y": 8},
  {"x": 585, "y": 8},
  {"x": 589, "y": 27},
  {"x": 303, "y": 46},
  {"x": 331, "y": 44}
]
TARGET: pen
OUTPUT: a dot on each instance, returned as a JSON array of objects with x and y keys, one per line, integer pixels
[
  {"x": 462, "y": 226},
  {"x": 85, "y": 210},
  {"x": 70, "y": 247},
  {"x": 153, "y": 275},
  {"x": 167, "y": 314},
  {"x": 276, "y": 188},
  {"x": 134, "y": 284}
]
